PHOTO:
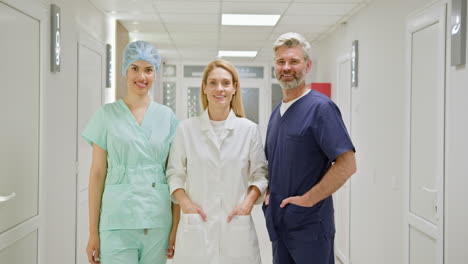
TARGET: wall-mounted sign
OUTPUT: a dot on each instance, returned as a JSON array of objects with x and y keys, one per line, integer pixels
[
  {"x": 108, "y": 65},
  {"x": 246, "y": 72},
  {"x": 354, "y": 64},
  {"x": 55, "y": 40},
  {"x": 250, "y": 72},
  {"x": 458, "y": 33},
  {"x": 193, "y": 71}
]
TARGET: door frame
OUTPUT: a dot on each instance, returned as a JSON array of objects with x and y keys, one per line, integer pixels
[
  {"x": 344, "y": 257},
  {"x": 87, "y": 41},
  {"x": 434, "y": 12}
]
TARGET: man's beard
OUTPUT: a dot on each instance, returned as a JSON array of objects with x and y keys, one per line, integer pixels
[{"x": 292, "y": 84}]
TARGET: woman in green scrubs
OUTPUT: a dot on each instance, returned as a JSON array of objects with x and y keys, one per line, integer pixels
[{"x": 129, "y": 203}]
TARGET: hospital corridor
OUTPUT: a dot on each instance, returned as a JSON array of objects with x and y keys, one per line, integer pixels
[{"x": 396, "y": 69}]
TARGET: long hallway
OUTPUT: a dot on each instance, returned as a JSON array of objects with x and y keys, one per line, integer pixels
[{"x": 395, "y": 68}]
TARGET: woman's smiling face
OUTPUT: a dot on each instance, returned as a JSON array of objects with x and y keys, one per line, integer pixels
[
  {"x": 219, "y": 88},
  {"x": 140, "y": 77}
]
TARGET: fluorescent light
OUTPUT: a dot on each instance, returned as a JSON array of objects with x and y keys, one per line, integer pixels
[
  {"x": 235, "y": 53},
  {"x": 249, "y": 20}
]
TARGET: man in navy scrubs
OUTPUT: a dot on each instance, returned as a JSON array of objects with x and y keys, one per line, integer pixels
[{"x": 310, "y": 156}]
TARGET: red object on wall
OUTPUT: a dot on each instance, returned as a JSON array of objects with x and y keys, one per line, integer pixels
[{"x": 324, "y": 88}]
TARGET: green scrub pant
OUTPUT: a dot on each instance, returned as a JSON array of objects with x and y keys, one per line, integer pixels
[{"x": 134, "y": 246}]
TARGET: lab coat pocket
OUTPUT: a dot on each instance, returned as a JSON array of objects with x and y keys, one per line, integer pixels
[
  {"x": 191, "y": 236},
  {"x": 240, "y": 238}
]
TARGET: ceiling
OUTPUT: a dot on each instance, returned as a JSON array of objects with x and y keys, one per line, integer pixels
[{"x": 192, "y": 30}]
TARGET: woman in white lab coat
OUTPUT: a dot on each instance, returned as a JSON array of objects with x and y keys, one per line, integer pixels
[{"x": 217, "y": 171}]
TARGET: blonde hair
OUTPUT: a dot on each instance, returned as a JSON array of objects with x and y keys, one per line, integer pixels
[{"x": 236, "y": 102}]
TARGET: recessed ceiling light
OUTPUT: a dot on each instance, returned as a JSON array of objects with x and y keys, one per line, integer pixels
[
  {"x": 249, "y": 20},
  {"x": 236, "y": 53}
]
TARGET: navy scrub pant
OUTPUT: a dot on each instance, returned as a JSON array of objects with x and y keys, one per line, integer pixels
[{"x": 318, "y": 251}]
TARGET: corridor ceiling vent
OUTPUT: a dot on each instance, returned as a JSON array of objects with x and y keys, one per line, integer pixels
[{"x": 249, "y": 20}]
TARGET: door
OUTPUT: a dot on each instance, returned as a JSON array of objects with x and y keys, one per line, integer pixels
[
  {"x": 91, "y": 82},
  {"x": 342, "y": 197},
  {"x": 20, "y": 221},
  {"x": 426, "y": 135}
]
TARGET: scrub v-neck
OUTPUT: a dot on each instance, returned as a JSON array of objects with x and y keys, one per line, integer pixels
[{"x": 122, "y": 102}]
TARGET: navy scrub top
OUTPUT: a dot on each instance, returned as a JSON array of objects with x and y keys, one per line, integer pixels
[{"x": 300, "y": 148}]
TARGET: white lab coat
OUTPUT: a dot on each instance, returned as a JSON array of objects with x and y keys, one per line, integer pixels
[{"x": 216, "y": 177}]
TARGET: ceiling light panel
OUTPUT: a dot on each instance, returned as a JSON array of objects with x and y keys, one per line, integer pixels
[
  {"x": 241, "y": 29},
  {"x": 249, "y": 20},
  {"x": 237, "y": 53},
  {"x": 253, "y": 8}
]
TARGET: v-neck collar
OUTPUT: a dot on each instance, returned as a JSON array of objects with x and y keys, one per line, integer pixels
[
  {"x": 293, "y": 102},
  {"x": 132, "y": 117}
]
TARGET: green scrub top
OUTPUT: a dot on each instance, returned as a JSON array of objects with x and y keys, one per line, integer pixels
[{"x": 136, "y": 194}]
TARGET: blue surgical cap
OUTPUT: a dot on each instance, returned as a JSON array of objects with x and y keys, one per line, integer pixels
[{"x": 140, "y": 50}]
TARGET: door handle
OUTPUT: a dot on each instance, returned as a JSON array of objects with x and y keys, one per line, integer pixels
[
  {"x": 7, "y": 198},
  {"x": 429, "y": 189}
]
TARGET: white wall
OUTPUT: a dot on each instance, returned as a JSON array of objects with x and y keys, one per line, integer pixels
[
  {"x": 78, "y": 17},
  {"x": 456, "y": 180},
  {"x": 377, "y": 216},
  {"x": 59, "y": 106}
]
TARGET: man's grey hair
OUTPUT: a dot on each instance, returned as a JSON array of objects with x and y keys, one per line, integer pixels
[{"x": 292, "y": 40}]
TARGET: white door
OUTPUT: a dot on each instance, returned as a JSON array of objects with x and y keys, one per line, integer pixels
[
  {"x": 20, "y": 215},
  {"x": 91, "y": 78},
  {"x": 341, "y": 198},
  {"x": 426, "y": 127}
]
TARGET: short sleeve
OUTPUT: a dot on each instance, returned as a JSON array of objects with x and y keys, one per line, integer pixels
[
  {"x": 331, "y": 133},
  {"x": 96, "y": 130}
]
